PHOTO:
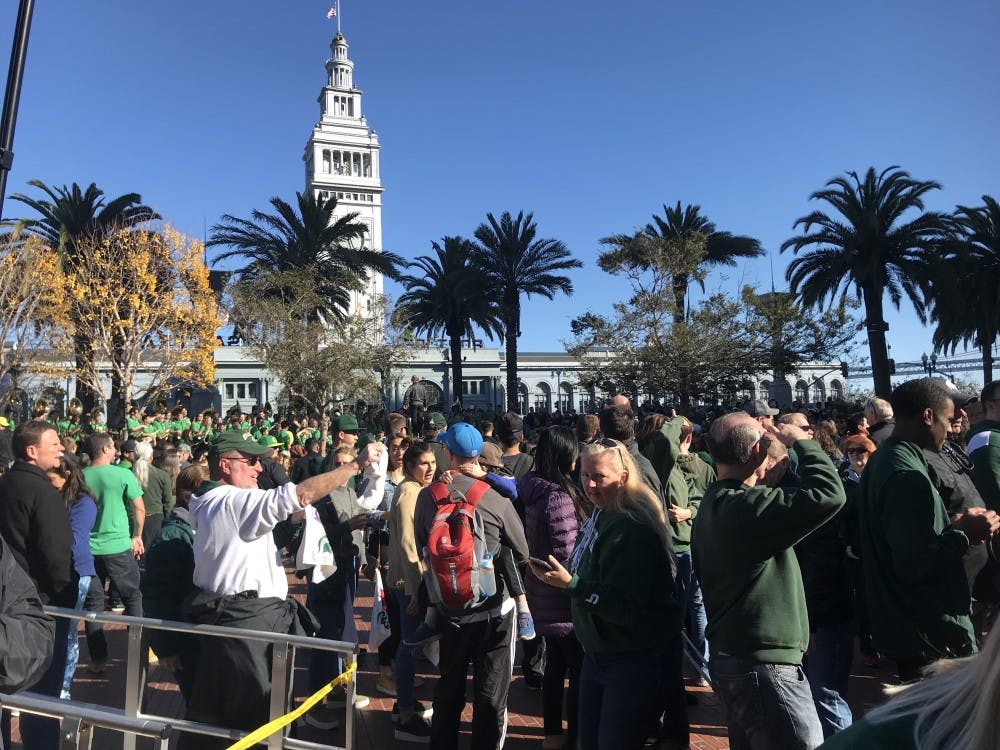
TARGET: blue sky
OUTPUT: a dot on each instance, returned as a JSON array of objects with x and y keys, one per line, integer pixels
[{"x": 590, "y": 114}]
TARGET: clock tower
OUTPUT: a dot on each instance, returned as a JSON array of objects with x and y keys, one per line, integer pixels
[{"x": 342, "y": 160}]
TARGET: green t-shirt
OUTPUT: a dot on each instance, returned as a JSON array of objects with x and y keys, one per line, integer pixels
[
  {"x": 64, "y": 427},
  {"x": 113, "y": 487},
  {"x": 134, "y": 426}
]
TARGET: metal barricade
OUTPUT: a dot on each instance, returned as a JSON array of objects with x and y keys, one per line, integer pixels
[
  {"x": 282, "y": 661},
  {"x": 78, "y": 720}
]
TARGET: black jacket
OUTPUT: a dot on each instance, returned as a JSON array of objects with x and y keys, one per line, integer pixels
[
  {"x": 28, "y": 633},
  {"x": 35, "y": 525},
  {"x": 231, "y": 685}
]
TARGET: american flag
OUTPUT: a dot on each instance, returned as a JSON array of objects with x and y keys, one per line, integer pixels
[{"x": 332, "y": 12}]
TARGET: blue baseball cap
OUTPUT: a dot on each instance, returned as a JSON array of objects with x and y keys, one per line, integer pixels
[{"x": 464, "y": 440}]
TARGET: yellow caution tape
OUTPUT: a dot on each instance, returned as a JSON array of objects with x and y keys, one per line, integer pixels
[{"x": 281, "y": 722}]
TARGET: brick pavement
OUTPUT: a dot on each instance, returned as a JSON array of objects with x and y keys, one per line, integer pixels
[{"x": 374, "y": 729}]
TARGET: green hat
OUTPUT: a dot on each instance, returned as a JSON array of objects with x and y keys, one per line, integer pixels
[
  {"x": 436, "y": 419},
  {"x": 345, "y": 423},
  {"x": 269, "y": 441},
  {"x": 232, "y": 440}
]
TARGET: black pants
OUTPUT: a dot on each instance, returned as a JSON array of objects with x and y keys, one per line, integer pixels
[
  {"x": 564, "y": 657},
  {"x": 387, "y": 649},
  {"x": 151, "y": 529},
  {"x": 489, "y": 646},
  {"x": 123, "y": 571}
]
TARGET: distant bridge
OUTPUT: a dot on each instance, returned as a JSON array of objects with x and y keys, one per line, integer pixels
[{"x": 918, "y": 368}]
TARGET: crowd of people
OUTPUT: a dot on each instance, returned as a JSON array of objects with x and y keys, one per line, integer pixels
[{"x": 768, "y": 546}]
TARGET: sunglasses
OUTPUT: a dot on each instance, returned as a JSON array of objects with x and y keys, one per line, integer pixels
[
  {"x": 609, "y": 443},
  {"x": 252, "y": 461}
]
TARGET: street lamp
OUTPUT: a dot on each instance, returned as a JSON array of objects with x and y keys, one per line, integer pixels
[{"x": 929, "y": 363}]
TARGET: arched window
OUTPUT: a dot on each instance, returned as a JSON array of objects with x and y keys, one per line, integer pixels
[
  {"x": 764, "y": 390},
  {"x": 837, "y": 390},
  {"x": 802, "y": 392}
]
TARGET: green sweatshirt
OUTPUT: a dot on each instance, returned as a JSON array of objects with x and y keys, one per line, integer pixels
[
  {"x": 984, "y": 451},
  {"x": 750, "y": 579},
  {"x": 918, "y": 596},
  {"x": 663, "y": 451},
  {"x": 621, "y": 593}
]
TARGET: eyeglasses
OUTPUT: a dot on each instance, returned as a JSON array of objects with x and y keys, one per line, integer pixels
[{"x": 252, "y": 461}]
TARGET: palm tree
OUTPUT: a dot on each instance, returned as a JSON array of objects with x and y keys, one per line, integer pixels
[
  {"x": 868, "y": 246},
  {"x": 967, "y": 300},
  {"x": 68, "y": 218},
  {"x": 330, "y": 248},
  {"x": 514, "y": 263},
  {"x": 682, "y": 226},
  {"x": 446, "y": 293}
]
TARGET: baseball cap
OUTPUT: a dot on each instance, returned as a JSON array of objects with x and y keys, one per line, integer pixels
[
  {"x": 759, "y": 408},
  {"x": 436, "y": 419},
  {"x": 491, "y": 454},
  {"x": 345, "y": 423},
  {"x": 510, "y": 424},
  {"x": 962, "y": 400},
  {"x": 269, "y": 441},
  {"x": 4, "y": 422},
  {"x": 127, "y": 446},
  {"x": 464, "y": 440},
  {"x": 232, "y": 440}
]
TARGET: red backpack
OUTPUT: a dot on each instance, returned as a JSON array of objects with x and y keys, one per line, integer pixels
[{"x": 455, "y": 547}]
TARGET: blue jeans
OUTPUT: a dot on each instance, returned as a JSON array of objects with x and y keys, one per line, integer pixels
[
  {"x": 404, "y": 654},
  {"x": 830, "y": 657},
  {"x": 621, "y": 697},
  {"x": 768, "y": 706},
  {"x": 693, "y": 616},
  {"x": 73, "y": 639}
]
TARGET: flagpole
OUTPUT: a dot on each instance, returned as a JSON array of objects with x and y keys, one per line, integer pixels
[{"x": 338, "y": 16}]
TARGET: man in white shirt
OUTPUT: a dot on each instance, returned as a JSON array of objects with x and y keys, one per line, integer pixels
[{"x": 242, "y": 581}]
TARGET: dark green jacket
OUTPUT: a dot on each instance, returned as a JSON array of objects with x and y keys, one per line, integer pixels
[
  {"x": 168, "y": 579},
  {"x": 750, "y": 579},
  {"x": 663, "y": 450},
  {"x": 918, "y": 598},
  {"x": 620, "y": 593},
  {"x": 895, "y": 734},
  {"x": 984, "y": 451},
  {"x": 157, "y": 495}
]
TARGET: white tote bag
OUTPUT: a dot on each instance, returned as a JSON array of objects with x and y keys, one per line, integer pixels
[
  {"x": 380, "y": 628},
  {"x": 314, "y": 549}
]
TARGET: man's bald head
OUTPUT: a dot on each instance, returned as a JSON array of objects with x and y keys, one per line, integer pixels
[{"x": 733, "y": 439}]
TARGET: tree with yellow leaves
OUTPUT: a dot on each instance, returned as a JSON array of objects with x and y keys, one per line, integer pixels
[
  {"x": 146, "y": 296},
  {"x": 33, "y": 313}
]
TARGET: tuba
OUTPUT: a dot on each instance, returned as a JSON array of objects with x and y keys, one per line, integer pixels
[
  {"x": 75, "y": 407},
  {"x": 41, "y": 408}
]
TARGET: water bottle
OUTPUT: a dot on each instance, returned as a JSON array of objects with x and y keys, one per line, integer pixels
[{"x": 487, "y": 576}]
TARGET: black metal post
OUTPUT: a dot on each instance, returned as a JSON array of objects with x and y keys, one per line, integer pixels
[{"x": 13, "y": 93}]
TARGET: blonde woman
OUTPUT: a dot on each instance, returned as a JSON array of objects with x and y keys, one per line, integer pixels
[
  {"x": 620, "y": 583},
  {"x": 955, "y": 708}
]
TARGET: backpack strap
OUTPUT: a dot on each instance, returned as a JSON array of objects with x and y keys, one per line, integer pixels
[
  {"x": 442, "y": 495},
  {"x": 476, "y": 492}
]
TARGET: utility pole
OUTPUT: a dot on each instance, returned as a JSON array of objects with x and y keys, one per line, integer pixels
[{"x": 12, "y": 95}]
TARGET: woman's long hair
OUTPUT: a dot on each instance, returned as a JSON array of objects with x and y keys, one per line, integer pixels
[
  {"x": 169, "y": 461},
  {"x": 957, "y": 706},
  {"x": 555, "y": 455},
  {"x": 635, "y": 500},
  {"x": 649, "y": 426},
  {"x": 76, "y": 486},
  {"x": 143, "y": 460}
]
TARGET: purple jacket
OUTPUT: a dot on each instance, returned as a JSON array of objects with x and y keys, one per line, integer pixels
[{"x": 551, "y": 526}]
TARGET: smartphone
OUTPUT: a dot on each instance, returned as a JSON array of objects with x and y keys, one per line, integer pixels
[{"x": 544, "y": 565}]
